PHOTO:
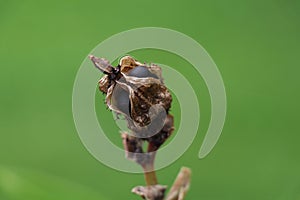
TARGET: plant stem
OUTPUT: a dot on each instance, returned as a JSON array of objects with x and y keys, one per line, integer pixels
[
  {"x": 150, "y": 177},
  {"x": 149, "y": 171},
  {"x": 180, "y": 185}
]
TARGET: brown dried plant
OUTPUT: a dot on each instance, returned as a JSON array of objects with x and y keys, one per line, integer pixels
[{"x": 137, "y": 91}]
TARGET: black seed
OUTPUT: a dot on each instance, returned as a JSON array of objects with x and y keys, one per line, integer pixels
[
  {"x": 141, "y": 72},
  {"x": 120, "y": 99}
]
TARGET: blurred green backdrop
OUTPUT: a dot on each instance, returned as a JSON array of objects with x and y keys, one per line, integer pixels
[{"x": 255, "y": 45}]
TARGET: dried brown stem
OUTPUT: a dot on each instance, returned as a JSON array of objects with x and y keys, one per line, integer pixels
[
  {"x": 134, "y": 152},
  {"x": 180, "y": 185},
  {"x": 150, "y": 178}
]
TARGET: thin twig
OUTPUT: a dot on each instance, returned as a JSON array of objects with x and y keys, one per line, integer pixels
[{"x": 180, "y": 185}]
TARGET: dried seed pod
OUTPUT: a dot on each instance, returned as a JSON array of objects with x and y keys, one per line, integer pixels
[{"x": 137, "y": 91}]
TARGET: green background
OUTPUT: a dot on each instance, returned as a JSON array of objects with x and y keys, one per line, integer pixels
[{"x": 255, "y": 44}]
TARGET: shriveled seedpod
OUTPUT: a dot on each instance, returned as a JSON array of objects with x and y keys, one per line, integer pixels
[{"x": 137, "y": 91}]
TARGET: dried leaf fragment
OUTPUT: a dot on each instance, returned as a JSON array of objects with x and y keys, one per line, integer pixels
[{"x": 153, "y": 192}]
